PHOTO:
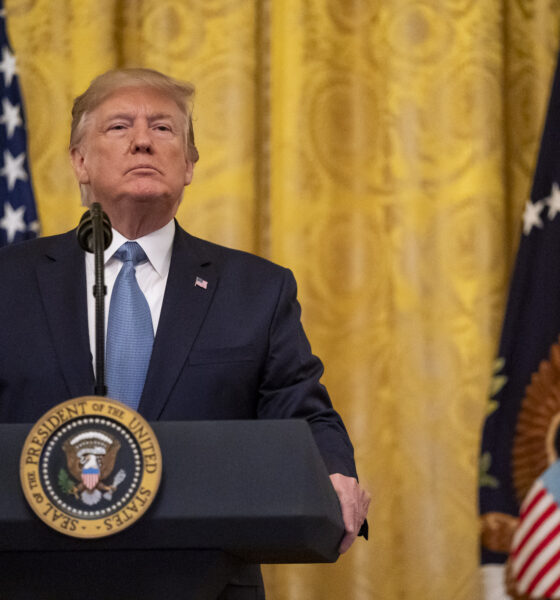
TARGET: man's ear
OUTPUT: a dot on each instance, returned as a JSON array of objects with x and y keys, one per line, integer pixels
[
  {"x": 189, "y": 172},
  {"x": 78, "y": 163}
]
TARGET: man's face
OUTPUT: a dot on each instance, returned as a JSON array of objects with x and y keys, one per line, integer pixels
[{"x": 132, "y": 155}]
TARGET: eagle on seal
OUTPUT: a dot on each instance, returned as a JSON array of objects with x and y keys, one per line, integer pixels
[{"x": 90, "y": 457}]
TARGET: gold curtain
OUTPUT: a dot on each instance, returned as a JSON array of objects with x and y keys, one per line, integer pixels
[{"x": 381, "y": 149}]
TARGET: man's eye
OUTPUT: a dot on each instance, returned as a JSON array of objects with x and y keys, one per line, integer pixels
[
  {"x": 163, "y": 128},
  {"x": 117, "y": 127}
]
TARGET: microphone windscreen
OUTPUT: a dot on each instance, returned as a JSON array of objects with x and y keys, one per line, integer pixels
[{"x": 85, "y": 230}]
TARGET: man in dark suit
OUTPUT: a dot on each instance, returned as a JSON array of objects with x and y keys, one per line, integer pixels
[{"x": 228, "y": 340}]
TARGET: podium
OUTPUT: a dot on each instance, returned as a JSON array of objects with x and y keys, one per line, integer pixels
[{"x": 232, "y": 493}]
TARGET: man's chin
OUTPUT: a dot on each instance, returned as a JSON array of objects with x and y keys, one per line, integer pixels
[{"x": 138, "y": 200}]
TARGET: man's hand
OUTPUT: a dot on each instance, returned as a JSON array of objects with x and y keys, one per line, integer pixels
[{"x": 354, "y": 502}]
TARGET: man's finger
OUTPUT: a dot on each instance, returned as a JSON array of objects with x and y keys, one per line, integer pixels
[{"x": 354, "y": 503}]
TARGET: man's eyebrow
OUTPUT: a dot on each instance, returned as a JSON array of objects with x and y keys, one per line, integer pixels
[
  {"x": 116, "y": 117},
  {"x": 131, "y": 117},
  {"x": 158, "y": 116},
  {"x": 120, "y": 115}
]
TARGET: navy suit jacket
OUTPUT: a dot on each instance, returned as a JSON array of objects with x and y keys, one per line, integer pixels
[{"x": 235, "y": 350}]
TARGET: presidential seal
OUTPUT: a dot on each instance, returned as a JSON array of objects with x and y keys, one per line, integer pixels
[{"x": 90, "y": 467}]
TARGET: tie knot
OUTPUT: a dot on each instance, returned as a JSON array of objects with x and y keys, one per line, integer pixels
[{"x": 131, "y": 251}]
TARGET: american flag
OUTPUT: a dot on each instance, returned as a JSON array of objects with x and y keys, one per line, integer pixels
[
  {"x": 531, "y": 326},
  {"x": 18, "y": 214},
  {"x": 202, "y": 283},
  {"x": 535, "y": 553}
]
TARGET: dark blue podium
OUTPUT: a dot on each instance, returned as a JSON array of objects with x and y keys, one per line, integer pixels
[{"x": 232, "y": 493}]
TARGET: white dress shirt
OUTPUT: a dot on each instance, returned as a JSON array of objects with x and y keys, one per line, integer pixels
[{"x": 151, "y": 275}]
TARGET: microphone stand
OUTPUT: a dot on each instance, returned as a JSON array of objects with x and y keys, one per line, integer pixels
[
  {"x": 99, "y": 291},
  {"x": 95, "y": 235}
]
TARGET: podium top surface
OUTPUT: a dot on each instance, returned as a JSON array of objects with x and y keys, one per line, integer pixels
[{"x": 256, "y": 489}]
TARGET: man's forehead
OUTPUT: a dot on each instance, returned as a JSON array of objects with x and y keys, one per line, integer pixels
[{"x": 132, "y": 101}]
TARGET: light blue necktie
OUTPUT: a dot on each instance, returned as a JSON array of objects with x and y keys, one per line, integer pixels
[{"x": 130, "y": 332}]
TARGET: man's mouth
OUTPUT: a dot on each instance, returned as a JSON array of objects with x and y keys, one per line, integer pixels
[{"x": 143, "y": 168}]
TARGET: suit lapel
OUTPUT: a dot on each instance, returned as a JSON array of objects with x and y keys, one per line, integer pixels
[
  {"x": 184, "y": 307},
  {"x": 62, "y": 285}
]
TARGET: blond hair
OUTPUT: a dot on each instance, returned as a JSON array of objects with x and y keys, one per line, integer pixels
[{"x": 106, "y": 84}]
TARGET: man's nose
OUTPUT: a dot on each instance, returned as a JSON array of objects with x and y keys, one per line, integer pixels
[{"x": 141, "y": 140}]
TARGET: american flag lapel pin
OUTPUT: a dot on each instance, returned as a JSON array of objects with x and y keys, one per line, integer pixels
[{"x": 201, "y": 283}]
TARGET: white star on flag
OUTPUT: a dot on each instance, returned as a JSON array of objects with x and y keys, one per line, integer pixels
[
  {"x": 18, "y": 213},
  {"x": 35, "y": 227},
  {"x": 553, "y": 201},
  {"x": 12, "y": 221},
  {"x": 8, "y": 66},
  {"x": 10, "y": 117},
  {"x": 13, "y": 168},
  {"x": 531, "y": 216}
]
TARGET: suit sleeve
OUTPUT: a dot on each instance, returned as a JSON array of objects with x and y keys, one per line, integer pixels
[{"x": 290, "y": 384}]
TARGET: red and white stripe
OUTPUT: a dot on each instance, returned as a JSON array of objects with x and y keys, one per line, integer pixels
[
  {"x": 90, "y": 480},
  {"x": 535, "y": 554}
]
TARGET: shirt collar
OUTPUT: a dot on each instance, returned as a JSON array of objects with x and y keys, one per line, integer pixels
[{"x": 157, "y": 246}]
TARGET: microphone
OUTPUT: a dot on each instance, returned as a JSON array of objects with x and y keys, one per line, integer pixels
[
  {"x": 85, "y": 232},
  {"x": 95, "y": 235}
]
